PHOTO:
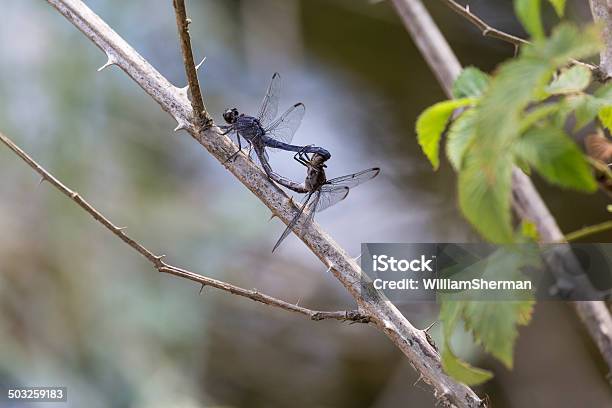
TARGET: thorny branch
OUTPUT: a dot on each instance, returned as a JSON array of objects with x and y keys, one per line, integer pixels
[
  {"x": 493, "y": 32},
  {"x": 527, "y": 203},
  {"x": 191, "y": 70},
  {"x": 161, "y": 266},
  {"x": 382, "y": 313}
]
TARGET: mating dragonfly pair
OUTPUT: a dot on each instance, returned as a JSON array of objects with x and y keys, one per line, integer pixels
[{"x": 266, "y": 131}]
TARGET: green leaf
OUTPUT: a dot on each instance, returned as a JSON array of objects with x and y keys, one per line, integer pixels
[
  {"x": 556, "y": 157},
  {"x": 537, "y": 114},
  {"x": 462, "y": 371},
  {"x": 605, "y": 93},
  {"x": 484, "y": 195},
  {"x": 431, "y": 124},
  {"x": 494, "y": 325},
  {"x": 450, "y": 313},
  {"x": 572, "y": 80},
  {"x": 587, "y": 107},
  {"x": 605, "y": 116},
  {"x": 528, "y": 12},
  {"x": 559, "y": 6},
  {"x": 460, "y": 135},
  {"x": 471, "y": 83},
  {"x": 566, "y": 42}
]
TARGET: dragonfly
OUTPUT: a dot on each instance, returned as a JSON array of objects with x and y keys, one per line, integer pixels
[
  {"x": 263, "y": 130},
  {"x": 321, "y": 193}
]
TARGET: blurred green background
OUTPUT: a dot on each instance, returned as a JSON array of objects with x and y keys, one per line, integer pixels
[{"x": 81, "y": 309}]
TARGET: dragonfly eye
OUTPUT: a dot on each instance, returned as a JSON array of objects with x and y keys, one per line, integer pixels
[{"x": 230, "y": 115}]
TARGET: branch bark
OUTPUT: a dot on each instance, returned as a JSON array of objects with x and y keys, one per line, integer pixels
[
  {"x": 373, "y": 304},
  {"x": 527, "y": 202},
  {"x": 182, "y": 23},
  {"x": 602, "y": 13},
  {"x": 157, "y": 260}
]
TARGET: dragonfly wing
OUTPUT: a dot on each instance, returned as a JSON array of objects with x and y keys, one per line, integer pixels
[
  {"x": 294, "y": 221},
  {"x": 330, "y": 195},
  {"x": 287, "y": 124},
  {"x": 269, "y": 105},
  {"x": 355, "y": 179}
]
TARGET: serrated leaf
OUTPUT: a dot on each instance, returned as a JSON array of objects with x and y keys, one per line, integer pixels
[
  {"x": 566, "y": 42},
  {"x": 484, "y": 195},
  {"x": 460, "y": 135},
  {"x": 511, "y": 90},
  {"x": 529, "y": 13},
  {"x": 605, "y": 116},
  {"x": 471, "y": 83},
  {"x": 559, "y": 6},
  {"x": 572, "y": 80},
  {"x": 556, "y": 157},
  {"x": 462, "y": 371},
  {"x": 431, "y": 124},
  {"x": 494, "y": 325}
]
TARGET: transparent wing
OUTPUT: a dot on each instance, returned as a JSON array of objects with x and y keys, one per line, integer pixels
[
  {"x": 355, "y": 179},
  {"x": 314, "y": 196},
  {"x": 330, "y": 195},
  {"x": 269, "y": 105},
  {"x": 285, "y": 127}
]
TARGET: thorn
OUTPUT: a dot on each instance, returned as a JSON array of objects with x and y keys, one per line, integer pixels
[
  {"x": 291, "y": 202},
  {"x": 188, "y": 21},
  {"x": 467, "y": 8},
  {"x": 359, "y": 257},
  {"x": 272, "y": 217},
  {"x": 180, "y": 126},
  {"x": 298, "y": 301},
  {"x": 418, "y": 379},
  {"x": 200, "y": 64},
  {"x": 202, "y": 288},
  {"x": 120, "y": 228},
  {"x": 110, "y": 61},
  {"x": 430, "y": 326},
  {"x": 42, "y": 179},
  {"x": 331, "y": 265},
  {"x": 160, "y": 257}
]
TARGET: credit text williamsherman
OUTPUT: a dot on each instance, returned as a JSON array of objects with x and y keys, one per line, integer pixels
[{"x": 451, "y": 284}]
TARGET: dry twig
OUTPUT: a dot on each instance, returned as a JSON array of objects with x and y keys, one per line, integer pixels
[
  {"x": 493, "y": 32},
  {"x": 161, "y": 266},
  {"x": 191, "y": 70}
]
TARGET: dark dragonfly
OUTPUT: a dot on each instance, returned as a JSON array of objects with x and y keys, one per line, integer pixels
[
  {"x": 263, "y": 131},
  {"x": 321, "y": 193}
]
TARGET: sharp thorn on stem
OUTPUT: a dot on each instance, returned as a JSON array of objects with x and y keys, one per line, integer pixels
[
  {"x": 110, "y": 61},
  {"x": 180, "y": 126},
  {"x": 200, "y": 64},
  {"x": 430, "y": 326}
]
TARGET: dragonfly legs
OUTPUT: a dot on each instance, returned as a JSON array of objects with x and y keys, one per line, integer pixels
[
  {"x": 233, "y": 156},
  {"x": 302, "y": 157}
]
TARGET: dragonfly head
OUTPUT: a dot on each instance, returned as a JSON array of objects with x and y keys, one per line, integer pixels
[{"x": 231, "y": 115}]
